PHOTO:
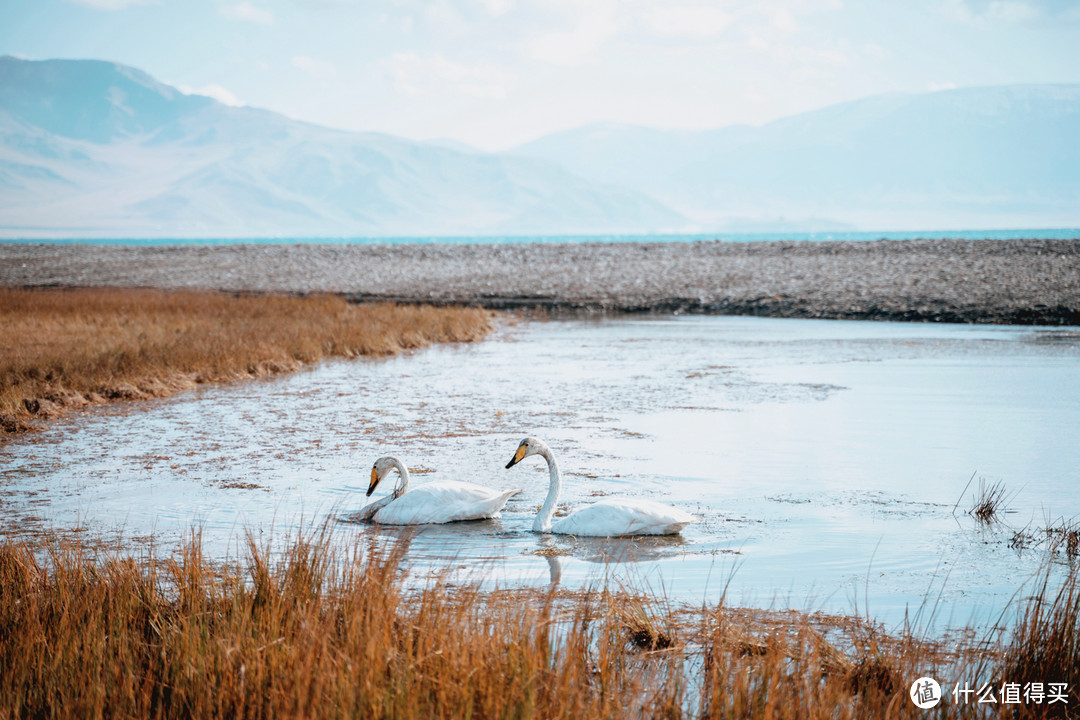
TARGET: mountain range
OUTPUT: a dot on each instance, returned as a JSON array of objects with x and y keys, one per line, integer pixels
[{"x": 97, "y": 149}]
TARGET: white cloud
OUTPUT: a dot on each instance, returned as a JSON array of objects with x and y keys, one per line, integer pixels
[
  {"x": 936, "y": 86},
  {"x": 217, "y": 92},
  {"x": 591, "y": 25},
  {"x": 875, "y": 52},
  {"x": 686, "y": 20},
  {"x": 817, "y": 63},
  {"x": 781, "y": 19},
  {"x": 111, "y": 4},
  {"x": 318, "y": 69},
  {"x": 1011, "y": 12},
  {"x": 416, "y": 75},
  {"x": 495, "y": 8},
  {"x": 997, "y": 11},
  {"x": 247, "y": 12}
]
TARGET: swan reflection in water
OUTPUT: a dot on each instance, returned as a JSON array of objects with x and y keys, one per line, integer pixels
[{"x": 478, "y": 544}]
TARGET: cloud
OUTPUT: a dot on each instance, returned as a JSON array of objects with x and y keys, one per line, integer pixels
[
  {"x": 111, "y": 4},
  {"x": 686, "y": 20},
  {"x": 318, "y": 69},
  {"x": 1011, "y": 12},
  {"x": 937, "y": 86},
  {"x": 217, "y": 92},
  {"x": 874, "y": 52},
  {"x": 416, "y": 75},
  {"x": 495, "y": 8},
  {"x": 247, "y": 12},
  {"x": 997, "y": 11},
  {"x": 591, "y": 24}
]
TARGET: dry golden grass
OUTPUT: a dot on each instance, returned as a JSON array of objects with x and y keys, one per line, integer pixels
[
  {"x": 68, "y": 348},
  {"x": 320, "y": 632}
]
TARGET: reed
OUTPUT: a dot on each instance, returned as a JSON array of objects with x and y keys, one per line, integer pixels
[
  {"x": 64, "y": 349},
  {"x": 326, "y": 629},
  {"x": 1045, "y": 644},
  {"x": 990, "y": 502}
]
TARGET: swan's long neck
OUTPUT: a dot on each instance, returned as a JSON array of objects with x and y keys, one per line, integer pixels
[
  {"x": 403, "y": 479},
  {"x": 543, "y": 518}
]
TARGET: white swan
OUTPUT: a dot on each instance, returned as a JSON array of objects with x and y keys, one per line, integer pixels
[
  {"x": 610, "y": 517},
  {"x": 441, "y": 501},
  {"x": 367, "y": 512}
]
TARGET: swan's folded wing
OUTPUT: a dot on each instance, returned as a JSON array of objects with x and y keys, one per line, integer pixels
[
  {"x": 612, "y": 517},
  {"x": 444, "y": 501},
  {"x": 367, "y": 512}
]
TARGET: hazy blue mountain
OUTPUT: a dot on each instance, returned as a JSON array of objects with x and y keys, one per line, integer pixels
[
  {"x": 95, "y": 148},
  {"x": 976, "y": 157}
]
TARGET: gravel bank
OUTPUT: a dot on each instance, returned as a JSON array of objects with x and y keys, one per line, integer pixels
[{"x": 972, "y": 281}]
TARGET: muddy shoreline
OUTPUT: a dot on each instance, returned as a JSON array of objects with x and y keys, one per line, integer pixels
[{"x": 1026, "y": 282}]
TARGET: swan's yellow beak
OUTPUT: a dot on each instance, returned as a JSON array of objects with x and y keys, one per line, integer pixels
[
  {"x": 518, "y": 457},
  {"x": 374, "y": 481}
]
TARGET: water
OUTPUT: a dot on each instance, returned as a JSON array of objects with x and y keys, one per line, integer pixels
[
  {"x": 857, "y": 236},
  {"x": 827, "y": 460}
]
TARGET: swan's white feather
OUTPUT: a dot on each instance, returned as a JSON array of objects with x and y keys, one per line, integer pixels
[
  {"x": 612, "y": 517},
  {"x": 443, "y": 501},
  {"x": 367, "y": 512}
]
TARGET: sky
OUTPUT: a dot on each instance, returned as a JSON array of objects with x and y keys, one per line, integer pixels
[{"x": 496, "y": 73}]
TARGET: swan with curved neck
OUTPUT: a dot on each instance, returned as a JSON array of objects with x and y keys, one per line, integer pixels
[
  {"x": 369, "y": 510},
  {"x": 610, "y": 517},
  {"x": 441, "y": 501}
]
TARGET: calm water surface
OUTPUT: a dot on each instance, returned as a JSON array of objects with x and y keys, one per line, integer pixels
[
  {"x": 824, "y": 458},
  {"x": 855, "y": 236}
]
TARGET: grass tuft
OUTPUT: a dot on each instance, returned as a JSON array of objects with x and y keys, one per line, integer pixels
[
  {"x": 1045, "y": 645},
  {"x": 989, "y": 503},
  {"x": 1065, "y": 536}
]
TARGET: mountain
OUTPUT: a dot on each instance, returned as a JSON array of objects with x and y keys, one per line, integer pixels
[
  {"x": 976, "y": 157},
  {"x": 96, "y": 149}
]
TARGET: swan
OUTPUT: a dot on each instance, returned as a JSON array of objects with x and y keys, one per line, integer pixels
[
  {"x": 610, "y": 517},
  {"x": 367, "y": 512},
  {"x": 441, "y": 501}
]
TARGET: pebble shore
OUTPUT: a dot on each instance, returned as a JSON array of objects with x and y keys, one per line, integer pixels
[{"x": 966, "y": 281}]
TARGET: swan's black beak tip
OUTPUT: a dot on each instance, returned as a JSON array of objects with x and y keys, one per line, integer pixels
[
  {"x": 512, "y": 463},
  {"x": 369, "y": 491}
]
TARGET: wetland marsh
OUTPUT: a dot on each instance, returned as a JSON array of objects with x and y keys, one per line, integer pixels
[{"x": 827, "y": 461}]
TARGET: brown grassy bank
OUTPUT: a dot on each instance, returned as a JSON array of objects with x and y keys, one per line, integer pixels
[
  {"x": 332, "y": 633},
  {"x": 68, "y": 348}
]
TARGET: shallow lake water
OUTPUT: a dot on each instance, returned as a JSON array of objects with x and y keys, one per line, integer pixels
[{"x": 827, "y": 460}]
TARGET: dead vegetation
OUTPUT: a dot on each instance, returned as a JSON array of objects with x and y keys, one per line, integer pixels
[
  {"x": 1045, "y": 648},
  {"x": 325, "y": 630},
  {"x": 990, "y": 502},
  {"x": 1060, "y": 537},
  {"x": 65, "y": 349}
]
